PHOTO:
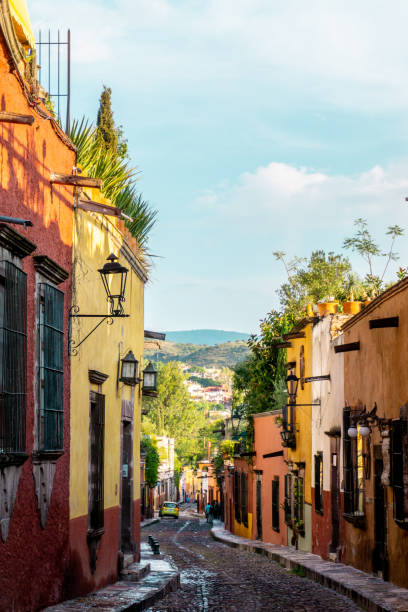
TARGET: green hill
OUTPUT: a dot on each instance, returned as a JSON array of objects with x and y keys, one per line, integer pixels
[
  {"x": 226, "y": 354},
  {"x": 205, "y": 336}
]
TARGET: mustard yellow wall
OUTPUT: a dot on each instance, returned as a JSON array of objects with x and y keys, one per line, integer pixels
[
  {"x": 95, "y": 237},
  {"x": 303, "y": 451},
  {"x": 241, "y": 530}
]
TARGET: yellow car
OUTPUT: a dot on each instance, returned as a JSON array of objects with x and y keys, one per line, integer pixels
[{"x": 169, "y": 508}]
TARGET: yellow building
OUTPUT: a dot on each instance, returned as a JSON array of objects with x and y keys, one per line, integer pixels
[
  {"x": 105, "y": 395},
  {"x": 298, "y": 425}
]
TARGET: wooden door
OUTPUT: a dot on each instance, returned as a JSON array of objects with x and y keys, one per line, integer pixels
[
  {"x": 259, "y": 507},
  {"x": 126, "y": 503},
  {"x": 379, "y": 552},
  {"x": 335, "y": 492}
]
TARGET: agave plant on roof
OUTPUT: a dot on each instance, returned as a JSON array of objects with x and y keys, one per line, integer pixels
[{"x": 118, "y": 179}]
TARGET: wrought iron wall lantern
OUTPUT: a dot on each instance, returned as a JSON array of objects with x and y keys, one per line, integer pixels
[
  {"x": 113, "y": 276},
  {"x": 288, "y": 437},
  {"x": 363, "y": 422},
  {"x": 292, "y": 383},
  {"x": 129, "y": 370},
  {"x": 149, "y": 378}
]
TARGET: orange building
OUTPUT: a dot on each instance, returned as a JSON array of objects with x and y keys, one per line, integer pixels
[
  {"x": 375, "y": 437},
  {"x": 269, "y": 479}
]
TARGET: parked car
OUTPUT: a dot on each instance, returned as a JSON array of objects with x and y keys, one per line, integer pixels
[{"x": 169, "y": 508}]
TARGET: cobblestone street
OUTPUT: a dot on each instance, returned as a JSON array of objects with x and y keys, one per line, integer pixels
[{"x": 216, "y": 577}]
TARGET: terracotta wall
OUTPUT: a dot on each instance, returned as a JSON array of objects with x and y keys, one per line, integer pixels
[
  {"x": 268, "y": 440},
  {"x": 377, "y": 373},
  {"x": 32, "y": 555}
]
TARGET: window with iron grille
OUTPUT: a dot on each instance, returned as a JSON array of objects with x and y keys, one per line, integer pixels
[
  {"x": 298, "y": 501},
  {"x": 318, "y": 466},
  {"x": 275, "y": 503},
  {"x": 399, "y": 470},
  {"x": 244, "y": 498},
  {"x": 288, "y": 498},
  {"x": 353, "y": 470},
  {"x": 51, "y": 384},
  {"x": 97, "y": 438},
  {"x": 13, "y": 357},
  {"x": 237, "y": 496}
]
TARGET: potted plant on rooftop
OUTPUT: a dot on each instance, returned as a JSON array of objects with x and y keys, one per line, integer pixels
[{"x": 351, "y": 300}]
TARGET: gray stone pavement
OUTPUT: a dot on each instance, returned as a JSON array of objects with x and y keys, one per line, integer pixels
[
  {"x": 217, "y": 578},
  {"x": 162, "y": 578},
  {"x": 369, "y": 592}
]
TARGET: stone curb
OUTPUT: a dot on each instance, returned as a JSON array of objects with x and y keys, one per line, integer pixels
[
  {"x": 148, "y": 522},
  {"x": 124, "y": 595},
  {"x": 371, "y": 593}
]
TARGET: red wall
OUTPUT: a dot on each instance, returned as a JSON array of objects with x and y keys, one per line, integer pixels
[
  {"x": 322, "y": 526},
  {"x": 32, "y": 555},
  {"x": 79, "y": 578}
]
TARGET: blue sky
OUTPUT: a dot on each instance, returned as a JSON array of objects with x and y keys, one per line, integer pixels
[{"x": 258, "y": 125}]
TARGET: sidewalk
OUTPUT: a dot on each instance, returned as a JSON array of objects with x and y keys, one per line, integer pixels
[
  {"x": 155, "y": 575},
  {"x": 369, "y": 592}
]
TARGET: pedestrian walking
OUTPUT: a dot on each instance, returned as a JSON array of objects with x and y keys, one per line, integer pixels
[{"x": 207, "y": 511}]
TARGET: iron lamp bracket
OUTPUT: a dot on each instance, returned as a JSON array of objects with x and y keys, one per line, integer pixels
[{"x": 73, "y": 346}]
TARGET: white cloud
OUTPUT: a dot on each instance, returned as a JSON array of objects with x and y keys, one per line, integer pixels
[
  {"x": 290, "y": 205},
  {"x": 348, "y": 54}
]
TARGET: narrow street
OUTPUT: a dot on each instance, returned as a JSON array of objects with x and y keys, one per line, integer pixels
[{"x": 217, "y": 577}]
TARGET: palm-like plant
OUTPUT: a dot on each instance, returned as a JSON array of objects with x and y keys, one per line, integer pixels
[{"x": 118, "y": 179}]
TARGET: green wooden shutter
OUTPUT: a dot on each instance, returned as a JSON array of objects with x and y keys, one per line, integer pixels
[
  {"x": 275, "y": 503},
  {"x": 347, "y": 464},
  {"x": 237, "y": 496},
  {"x": 244, "y": 498},
  {"x": 51, "y": 388},
  {"x": 397, "y": 468},
  {"x": 288, "y": 498},
  {"x": 13, "y": 357}
]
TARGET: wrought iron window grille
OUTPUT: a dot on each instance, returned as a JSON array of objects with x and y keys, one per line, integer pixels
[
  {"x": 51, "y": 368},
  {"x": 13, "y": 360}
]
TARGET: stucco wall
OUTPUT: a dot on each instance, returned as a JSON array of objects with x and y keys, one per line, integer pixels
[
  {"x": 32, "y": 555},
  {"x": 268, "y": 440},
  {"x": 377, "y": 373},
  {"x": 326, "y": 418},
  {"x": 303, "y": 451},
  {"x": 95, "y": 237}
]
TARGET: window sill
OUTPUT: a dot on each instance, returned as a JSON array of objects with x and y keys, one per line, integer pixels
[
  {"x": 358, "y": 520},
  {"x": 46, "y": 455},
  {"x": 319, "y": 512},
  {"x": 7, "y": 459}
]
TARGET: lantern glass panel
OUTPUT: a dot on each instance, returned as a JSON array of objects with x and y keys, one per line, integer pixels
[
  {"x": 129, "y": 369},
  {"x": 149, "y": 379}
]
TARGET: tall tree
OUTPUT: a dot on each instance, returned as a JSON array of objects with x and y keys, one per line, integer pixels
[
  {"x": 174, "y": 414},
  {"x": 107, "y": 132}
]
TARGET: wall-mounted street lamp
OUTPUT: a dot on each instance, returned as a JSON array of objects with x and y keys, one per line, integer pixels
[
  {"x": 113, "y": 276},
  {"x": 288, "y": 437},
  {"x": 129, "y": 370},
  {"x": 149, "y": 379},
  {"x": 292, "y": 382},
  {"x": 363, "y": 423}
]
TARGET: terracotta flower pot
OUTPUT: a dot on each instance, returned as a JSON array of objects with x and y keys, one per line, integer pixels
[
  {"x": 326, "y": 308},
  {"x": 309, "y": 310},
  {"x": 352, "y": 307}
]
